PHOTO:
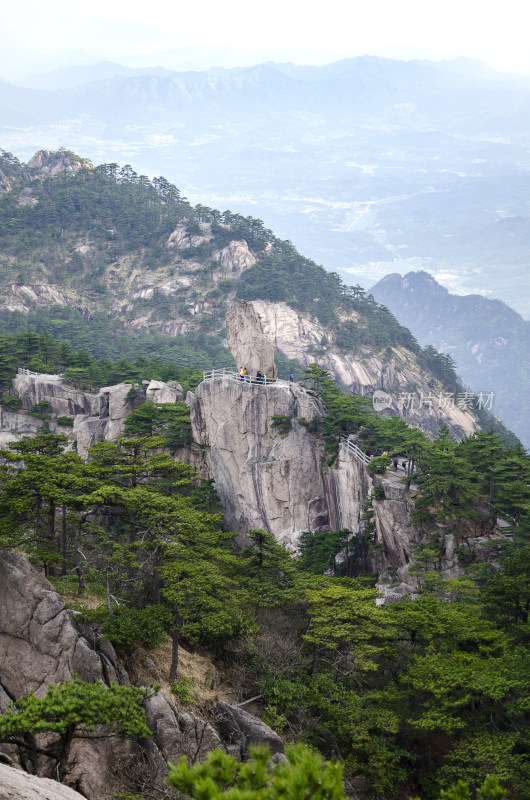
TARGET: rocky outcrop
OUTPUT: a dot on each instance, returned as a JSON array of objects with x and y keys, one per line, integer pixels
[
  {"x": 64, "y": 401},
  {"x": 306, "y": 340},
  {"x": 23, "y": 297},
  {"x": 181, "y": 239},
  {"x": 40, "y": 643},
  {"x": 244, "y": 730},
  {"x": 51, "y": 162},
  {"x": 246, "y": 340},
  {"x": 234, "y": 259},
  {"x": 160, "y": 392},
  {"x": 15, "y": 784},
  {"x": 96, "y": 417},
  {"x": 264, "y": 479}
]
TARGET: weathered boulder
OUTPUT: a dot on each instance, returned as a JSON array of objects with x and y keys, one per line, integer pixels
[
  {"x": 64, "y": 401},
  {"x": 115, "y": 402},
  {"x": 244, "y": 729},
  {"x": 234, "y": 259},
  {"x": 160, "y": 392},
  {"x": 15, "y": 784},
  {"x": 178, "y": 734}
]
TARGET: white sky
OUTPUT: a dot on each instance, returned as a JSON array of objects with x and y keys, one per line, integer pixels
[{"x": 61, "y": 31}]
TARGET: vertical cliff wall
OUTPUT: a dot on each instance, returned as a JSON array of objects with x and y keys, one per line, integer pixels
[{"x": 264, "y": 479}]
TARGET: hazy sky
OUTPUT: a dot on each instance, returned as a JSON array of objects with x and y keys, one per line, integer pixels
[{"x": 57, "y": 31}]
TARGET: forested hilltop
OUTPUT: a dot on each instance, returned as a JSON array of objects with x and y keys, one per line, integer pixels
[
  {"x": 390, "y": 639},
  {"x": 131, "y": 257}
]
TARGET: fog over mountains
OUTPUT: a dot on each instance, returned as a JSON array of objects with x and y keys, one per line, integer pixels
[{"x": 370, "y": 166}]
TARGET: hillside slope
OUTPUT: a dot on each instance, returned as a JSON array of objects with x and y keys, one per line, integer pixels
[{"x": 111, "y": 261}]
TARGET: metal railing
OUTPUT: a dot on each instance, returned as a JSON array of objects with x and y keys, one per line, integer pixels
[
  {"x": 357, "y": 453},
  {"x": 24, "y": 371},
  {"x": 229, "y": 374}
]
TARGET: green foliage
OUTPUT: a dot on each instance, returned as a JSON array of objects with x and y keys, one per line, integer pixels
[
  {"x": 268, "y": 571},
  {"x": 344, "y": 618},
  {"x": 11, "y": 403},
  {"x": 125, "y": 627},
  {"x": 170, "y": 420},
  {"x": 448, "y": 488},
  {"x": 75, "y": 704},
  {"x": 379, "y": 465},
  {"x": 183, "y": 689},
  {"x": 41, "y": 410},
  {"x": 281, "y": 423},
  {"x": 305, "y": 776},
  {"x": 318, "y": 550},
  {"x": 66, "y": 421}
]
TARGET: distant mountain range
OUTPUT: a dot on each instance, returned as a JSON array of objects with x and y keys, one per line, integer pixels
[
  {"x": 489, "y": 341},
  {"x": 368, "y": 165}
]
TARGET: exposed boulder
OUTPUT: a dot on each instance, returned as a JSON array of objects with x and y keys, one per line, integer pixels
[
  {"x": 244, "y": 729},
  {"x": 64, "y": 400},
  {"x": 181, "y": 239},
  {"x": 247, "y": 341},
  {"x": 15, "y": 784},
  {"x": 159, "y": 392},
  {"x": 234, "y": 259}
]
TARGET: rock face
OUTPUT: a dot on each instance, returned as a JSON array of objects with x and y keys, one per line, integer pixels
[
  {"x": 264, "y": 480},
  {"x": 15, "y": 784},
  {"x": 97, "y": 417},
  {"x": 247, "y": 341},
  {"x": 22, "y": 297},
  {"x": 64, "y": 401},
  {"x": 40, "y": 644},
  {"x": 234, "y": 259},
  {"x": 245, "y": 730},
  {"x": 301, "y": 338},
  {"x": 52, "y": 162}
]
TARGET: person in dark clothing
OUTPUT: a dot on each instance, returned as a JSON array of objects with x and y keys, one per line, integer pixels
[
  {"x": 259, "y": 377},
  {"x": 395, "y": 462}
]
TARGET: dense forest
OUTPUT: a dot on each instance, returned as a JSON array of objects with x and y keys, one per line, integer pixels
[{"x": 412, "y": 697}]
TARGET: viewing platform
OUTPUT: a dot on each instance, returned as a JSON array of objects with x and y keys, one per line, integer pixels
[{"x": 249, "y": 380}]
